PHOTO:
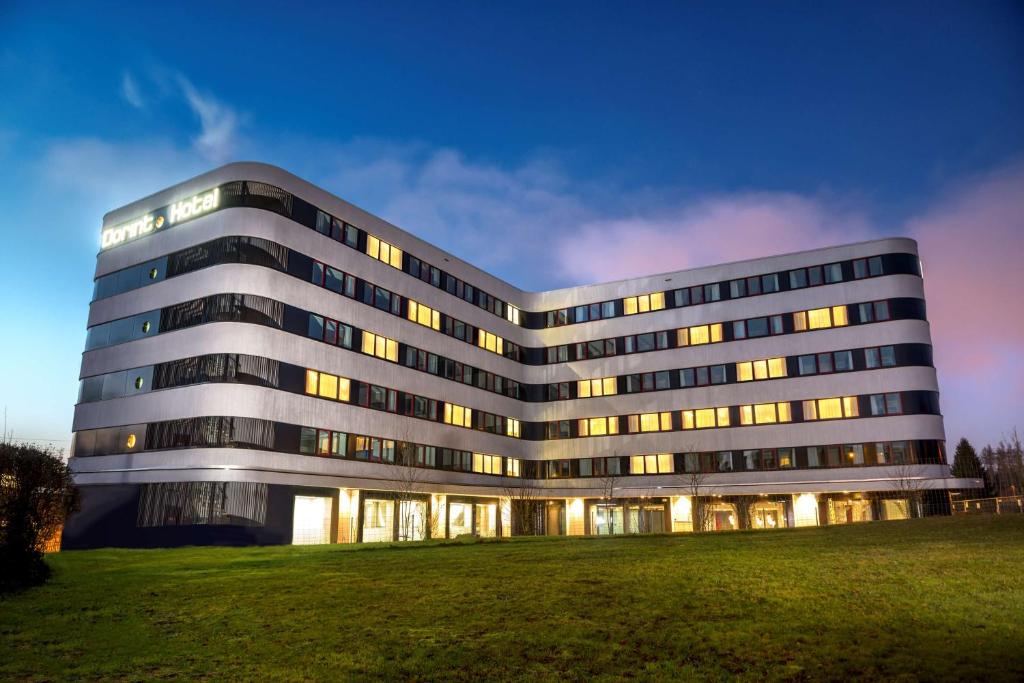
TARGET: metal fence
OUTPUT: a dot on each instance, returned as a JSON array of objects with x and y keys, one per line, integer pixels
[{"x": 1008, "y": 505}]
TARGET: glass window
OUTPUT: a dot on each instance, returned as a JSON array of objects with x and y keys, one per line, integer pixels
[
  {"x": 686, "y": 378},
  {"x": 881, "y": 310},
  {"x": 737, "y": 289},
  {"x": 843, "y": 361},
  {"x": 813, "y": 456},
  {"x": 739, "y": 329},
  {"x": 833, "y": 273},
  {"x": 830, "y": 408},
  {"x": 807, "y": 365},
  {"x": 875, "y": 266},
  {"x": 307, "y": 441},
  {"x": 824, "y": 363},
  {"x": 860, "y": 268},
  {"x": 892, "y": 404},
  {"x": 814, "y": 275},
  {"x": 718, "y": 374},
  {"x": 871, "y": 358},
  {"x": 797, "y": 278},
  {"x": 770, "y": 283},
  {"x": 839, "y": 317},
  {"x": 757, "y": 327},
  {"x": 850, "y": 408},
  {"x": 744, "y": 371},
  {"x": 776, "y": 367},
  {"x": 888, "y": 354},
  {"x": 712, "y": 292},
  {"x": 877, "y": 404}
]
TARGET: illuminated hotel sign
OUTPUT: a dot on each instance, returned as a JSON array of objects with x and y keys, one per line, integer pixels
[{"x": 186, "y": 209}]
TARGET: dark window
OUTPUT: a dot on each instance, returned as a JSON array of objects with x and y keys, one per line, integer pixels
[
  {"x": 833, "y": 273},
  {"x": 807, "y": 365},
  {"x": 797, "y": 278}
]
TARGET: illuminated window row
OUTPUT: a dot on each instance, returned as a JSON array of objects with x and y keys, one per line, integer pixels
[
  {"x": 770, "y": 368},
  {"x": 598, "y": 426},
  {"x": 766, "y": 413},
  {"x": 326, "y": 385},
  {"x": 228, "y": 432},
  {"x": 699, "y": 334},
  {"x": 831, "y": 408},
  {"x": 649, "y": 422},
  {"x": 606, "y": 386},
  {"x": 424, "y": 315},
  {"x": 487, "y": 464},
  {"x": 490, "y": 341},
  {"x": 736, "y": 289},
  {"x": 704, "y": 418},
  {"x": 921, "y": 402},
  {"x": 643, "y": 303},
  {"x": 382, "y": 251},
  {"x": 380, "y": 346},
  {"x": 749, "y": 328},
  {"x": 458, "y": 415},
  {"x": 659, "y": 463},
  {"x": 820, "y": 318}
]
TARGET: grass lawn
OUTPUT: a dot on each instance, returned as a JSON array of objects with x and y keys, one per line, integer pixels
[{"x": 939, "y": 598}]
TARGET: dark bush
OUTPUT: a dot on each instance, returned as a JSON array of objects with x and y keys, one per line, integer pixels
[{"x": 37, "y": 494}]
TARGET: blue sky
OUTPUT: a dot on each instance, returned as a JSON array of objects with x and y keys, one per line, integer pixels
[{"x": 715, "y": 131}]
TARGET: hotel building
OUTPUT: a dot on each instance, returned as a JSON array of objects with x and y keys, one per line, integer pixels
[{"x": 268, "y": 364}]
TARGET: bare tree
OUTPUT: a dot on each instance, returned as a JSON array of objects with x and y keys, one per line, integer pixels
[
  {"x": 911, "y": 487},
  {"x": 695, "y": 483},
  {"x": 523, "y": 496},
  {"x": 409, "y": 482}
]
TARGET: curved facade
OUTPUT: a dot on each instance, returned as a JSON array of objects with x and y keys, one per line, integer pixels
[{"x": 266, "y": 363}]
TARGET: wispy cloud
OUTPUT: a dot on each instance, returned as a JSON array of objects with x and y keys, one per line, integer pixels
[
  {"x": 130, "y": 91},
  {"x": 218, "y": 123}
]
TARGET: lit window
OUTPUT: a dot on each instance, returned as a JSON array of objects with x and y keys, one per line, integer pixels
[
  {"x": 326, "y": 385},
  {"x": 380, "y": 346},
  {"x": 512, "y": 467},
  {"x": 487, "y": 464},
  {"x": 746, "y": 415},
  {"x": 776, "y": 367},
  {"x": 688, "y": 422},
  {"x": 643, "y": 303},
  {"x": 785, "y": 412},
  {"x": 700, "y": 334},
  {"x": 655, "y": 463},
  {"x": 424, "y": 315},
  {"x": 651, "y": 422},
  {"x": 382, "y": 251},
  {"x": 513, "y": 427},
  {"x": 839, "y": 318},
  {"x": 723, "y": 416},
  {"x": 705, "y": 417},
  {"x": 744, "y": 371},
  {"x": 850, "y": 408},
  {"x": 489, "y": 341},
  {"x": 512, "y": 314},
  {"x": 458, "y": 415},
  {"x": 818, "y": 318},
  {"x": 764, "y": 413},
  {"x": 599, "y": 426},
  {"x": 597, "y": 387}
]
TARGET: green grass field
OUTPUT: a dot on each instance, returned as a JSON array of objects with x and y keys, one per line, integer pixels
[{"x": 939, "y": 598}]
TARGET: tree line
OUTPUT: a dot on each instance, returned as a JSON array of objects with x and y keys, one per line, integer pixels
[{"x": 1000, "y": 467}]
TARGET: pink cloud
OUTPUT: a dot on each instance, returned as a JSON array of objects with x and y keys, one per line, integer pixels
[{"x": 728, "y": 228}]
